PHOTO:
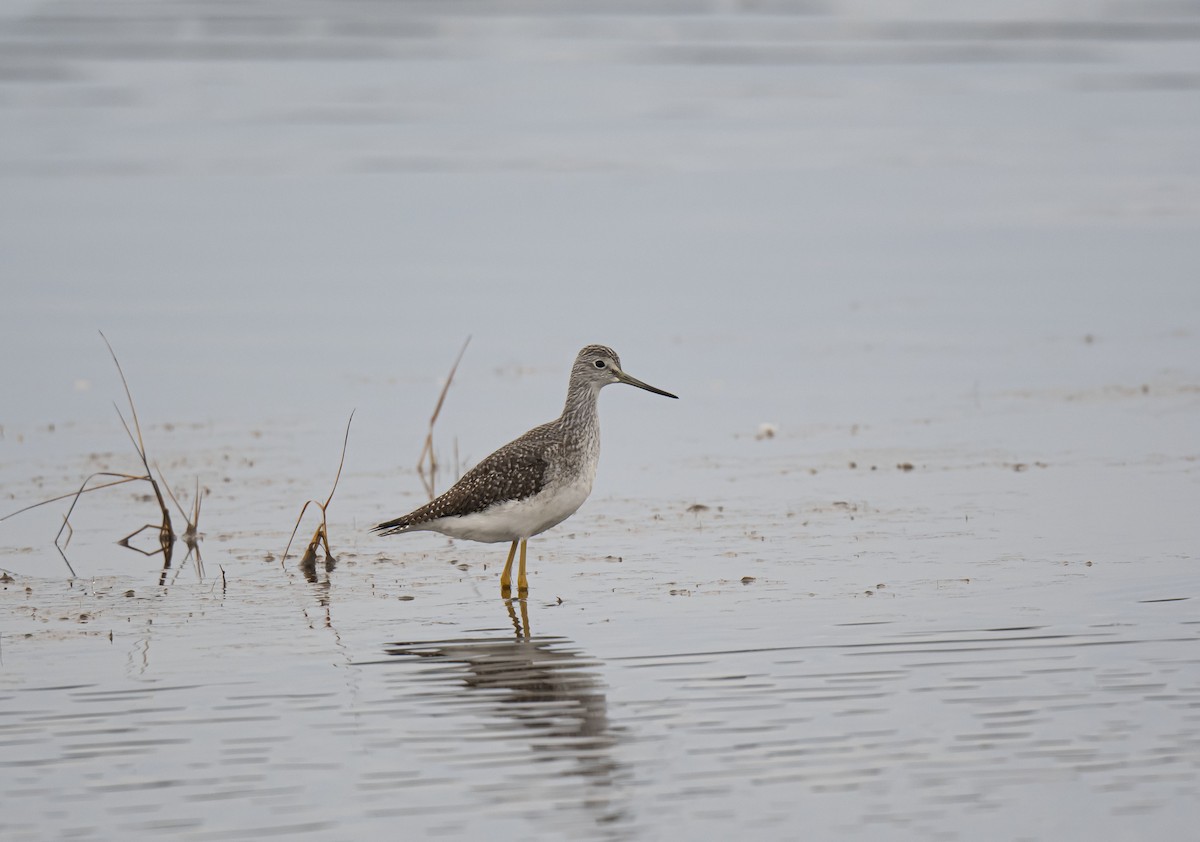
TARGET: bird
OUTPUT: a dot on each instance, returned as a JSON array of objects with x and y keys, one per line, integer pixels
[{"x": 534, "y": 482}]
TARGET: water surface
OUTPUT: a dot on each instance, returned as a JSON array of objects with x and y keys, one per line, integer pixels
[{"x": 947, "y": 253}]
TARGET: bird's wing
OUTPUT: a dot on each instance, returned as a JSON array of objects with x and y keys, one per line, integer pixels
[{"x": 514, "y": 472}]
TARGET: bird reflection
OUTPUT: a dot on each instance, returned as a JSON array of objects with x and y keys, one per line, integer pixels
[
  {"x": 544, "y": 693},
  {"x": 521, "y": 626}
]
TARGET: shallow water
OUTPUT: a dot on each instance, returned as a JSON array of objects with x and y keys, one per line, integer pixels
[
  {"x": 938, "y": 656},
  {"x": 950, "y": 257}
]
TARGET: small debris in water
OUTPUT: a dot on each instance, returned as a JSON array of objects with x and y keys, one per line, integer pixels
[
  {"x": 766, "y": 430},
  {"x": 129, "y": 593},
  {"x": 407, "y": 597},
  {"x": 697, "y": 507},
  {"x": 747, "y": 580},
  {"x": 853, "y": 465},
  {"x": 904, "y": 466}
]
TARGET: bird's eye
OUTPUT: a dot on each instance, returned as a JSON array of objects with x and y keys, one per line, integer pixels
[{"x": 600, "y": 364}]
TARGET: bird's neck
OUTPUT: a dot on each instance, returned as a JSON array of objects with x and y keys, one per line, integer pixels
[{"x": 580, "y": 408}]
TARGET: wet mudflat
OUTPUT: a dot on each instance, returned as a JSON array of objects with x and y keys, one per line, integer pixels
[
  {"x": 913, "y": 557},
  {"x": 948, "y": 652}
]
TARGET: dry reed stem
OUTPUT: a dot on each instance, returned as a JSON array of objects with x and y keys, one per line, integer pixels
[
  {"x": 191, "y": 535},
  {"x": 321, "y": 535},
  {"x": 66, "y": 526},
  {"x": 124, "y": 479},
  {"x": 59, "y": 543},
  {"x": 427, "y": 449},
  {"x": 166, "y": 534}
]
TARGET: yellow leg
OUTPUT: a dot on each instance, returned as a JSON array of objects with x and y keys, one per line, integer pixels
[
  {"x": 506, "y": 576},
  {"x": 522, "y": 582}
]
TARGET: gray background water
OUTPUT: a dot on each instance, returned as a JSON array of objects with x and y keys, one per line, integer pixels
[{"x": 961, "y": 238}]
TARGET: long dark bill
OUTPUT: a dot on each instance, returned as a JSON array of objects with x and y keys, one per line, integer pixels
[{"x": 633, "y": 381}]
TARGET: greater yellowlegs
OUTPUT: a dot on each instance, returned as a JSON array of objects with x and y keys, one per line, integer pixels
[{"x": 534, "y": 482}]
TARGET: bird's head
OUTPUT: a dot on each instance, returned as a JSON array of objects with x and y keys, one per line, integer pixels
[{"x": 598, "y": 366}]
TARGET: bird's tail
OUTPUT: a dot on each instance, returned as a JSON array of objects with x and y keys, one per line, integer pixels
[{"x": 392, "y": 527}]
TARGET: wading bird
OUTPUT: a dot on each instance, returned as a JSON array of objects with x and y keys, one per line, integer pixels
[{"x": 534, "y": 482}]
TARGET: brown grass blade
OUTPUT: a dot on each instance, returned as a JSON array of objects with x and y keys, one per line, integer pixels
[
  {"x": 428, "y": 479},
  {"x": 124, "y": 479},
  {"x": 341, "y": 462},
  {"x": 296, "y": 528}
]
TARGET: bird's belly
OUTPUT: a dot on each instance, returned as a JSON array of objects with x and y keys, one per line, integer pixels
[{"x": 517, "y": 519}]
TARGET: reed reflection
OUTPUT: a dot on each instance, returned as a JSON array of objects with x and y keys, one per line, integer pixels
[
  {"x": 318, "y": 575},
  {"x": 309, "y": 568}
]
